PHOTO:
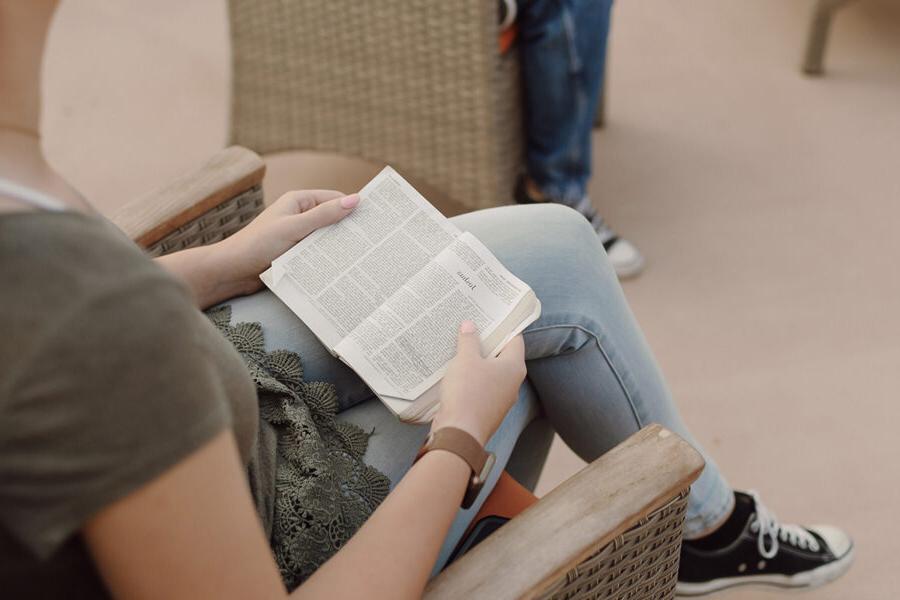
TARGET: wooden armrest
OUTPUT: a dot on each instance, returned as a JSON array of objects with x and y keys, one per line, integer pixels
[
  {"x": 229, "y": 172},
  {"x": 585, "y": 513}
]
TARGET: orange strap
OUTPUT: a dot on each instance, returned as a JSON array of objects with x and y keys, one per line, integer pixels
[
  {"x": 508, "y": 38},
  {"x": 507, "y": 499}
]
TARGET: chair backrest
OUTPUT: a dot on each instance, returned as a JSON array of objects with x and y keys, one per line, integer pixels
[{"x": 418, "y": 84}]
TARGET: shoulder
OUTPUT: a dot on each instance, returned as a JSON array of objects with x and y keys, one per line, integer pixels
[
  {"x": 110, "y": 374},
  {"x": 101, "y": 337},
  {"x": 71, "y": 270},
  {"x": 69, "y": 255},
  {"x": 91, "y": 321}
]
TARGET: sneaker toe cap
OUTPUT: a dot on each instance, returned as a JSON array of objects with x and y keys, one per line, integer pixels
[
  {"x": 625, "y": 258},
  {"x": 838, "y": 541}
]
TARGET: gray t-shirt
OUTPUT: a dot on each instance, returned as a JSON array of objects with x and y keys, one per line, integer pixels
[{"x": 109, "y": 377}]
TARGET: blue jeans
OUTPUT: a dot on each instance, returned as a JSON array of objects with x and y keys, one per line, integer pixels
[
  {"x": 562, "y": 44},
  {"x": 590, "y": 372}
]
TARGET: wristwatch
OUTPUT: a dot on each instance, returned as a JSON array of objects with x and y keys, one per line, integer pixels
[{"x": 467, "y": 448}]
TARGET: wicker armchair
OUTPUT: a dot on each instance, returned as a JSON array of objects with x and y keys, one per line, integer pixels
[
  {"x": 817, "y": 38},
  {"x": 198, "y": 208},
  {"x": 415, "y": 83},
  {"x": 611, "y": 531}
]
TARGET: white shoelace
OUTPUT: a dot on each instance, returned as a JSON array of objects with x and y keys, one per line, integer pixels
[{"x": 766, "y": 525}]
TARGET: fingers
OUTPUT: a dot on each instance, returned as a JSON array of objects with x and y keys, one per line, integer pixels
[
  {"x": 298, "y": 201},
  {"x": 326, "y": 213},
  {"x": 314, "y": 198},
  {"x": 468, "y": 343}
]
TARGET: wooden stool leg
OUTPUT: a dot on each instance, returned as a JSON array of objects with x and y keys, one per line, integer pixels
[{"x": 818, "y": 35}]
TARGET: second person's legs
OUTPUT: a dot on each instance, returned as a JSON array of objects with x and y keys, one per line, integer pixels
[{"x": 562, "y": 46}]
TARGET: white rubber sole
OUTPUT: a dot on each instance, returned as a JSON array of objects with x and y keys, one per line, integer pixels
[
  {"x": 806, "y": 580},
  {"x": 625, "y": 259},
  {"x": 630, "y": 269}
]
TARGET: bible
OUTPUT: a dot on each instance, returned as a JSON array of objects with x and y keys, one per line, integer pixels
[{"x": 386, "y": 288}]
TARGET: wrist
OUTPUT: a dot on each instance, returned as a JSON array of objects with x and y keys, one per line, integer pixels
[
  {"x": 448, "y": 461},
  {"x": 226, "y": 266},
  {"x": 204, "y": 270},
  {"x": 454, "y": 470},
  {"x": 468, "y": 425},
  {"x": 470, "y": 451}
]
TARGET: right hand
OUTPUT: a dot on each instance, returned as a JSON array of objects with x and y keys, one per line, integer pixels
[
  {"x": 292, "y": 217},
  {"x": 476, "y": 392}
]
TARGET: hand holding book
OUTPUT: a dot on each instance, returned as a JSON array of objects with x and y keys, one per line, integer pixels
[
  {"x": 478, "y": 391},
  {"x": 277, "y": 229},
  {"x": 232, "y": 267},
  {"x": 386, "y": 288}
]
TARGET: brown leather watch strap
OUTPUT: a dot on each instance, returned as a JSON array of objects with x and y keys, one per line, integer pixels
[{"x": 466, "y": 447}]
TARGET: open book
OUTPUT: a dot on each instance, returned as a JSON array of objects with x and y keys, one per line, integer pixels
[{"x": 386, "y": 288}]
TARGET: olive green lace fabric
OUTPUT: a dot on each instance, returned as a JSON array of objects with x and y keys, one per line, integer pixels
[{"x": 323, "y": 490}]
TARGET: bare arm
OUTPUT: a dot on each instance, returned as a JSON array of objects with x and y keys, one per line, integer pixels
[
  {"x": 193, "y": 532},
  {"x": 393, "y": 553},
  {"x": 206, "y": 272},
  {"x": 231, "y": 267}
]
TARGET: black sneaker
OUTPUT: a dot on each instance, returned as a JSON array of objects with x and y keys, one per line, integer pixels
[{"x": 765, "y": 553}]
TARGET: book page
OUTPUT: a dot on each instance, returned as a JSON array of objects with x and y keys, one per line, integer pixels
[
  {"x": 403, "y": 347},
  {"x": 338, "y": 275},
  {"x": 426, "y": 405}
]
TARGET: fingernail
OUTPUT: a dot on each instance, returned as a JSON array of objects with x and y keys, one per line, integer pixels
[
  {"x": 467, "y": 327},
  {"x": 350, "y": 201}
]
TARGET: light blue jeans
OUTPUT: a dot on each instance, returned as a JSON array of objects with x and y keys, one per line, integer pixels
[{"x": 590, "y": 372}]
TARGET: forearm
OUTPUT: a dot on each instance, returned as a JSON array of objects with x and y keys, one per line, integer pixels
[
  {"x": 208, "y": 273},
  {"x": 393, "y": 553},
  {"x": 231, "y": 267}
]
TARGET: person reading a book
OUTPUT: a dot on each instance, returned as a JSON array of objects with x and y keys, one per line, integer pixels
[{"x": 149, "y": 451}]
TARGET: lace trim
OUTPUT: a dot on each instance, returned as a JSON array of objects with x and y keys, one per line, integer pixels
[{"x": 323, "y": 490}]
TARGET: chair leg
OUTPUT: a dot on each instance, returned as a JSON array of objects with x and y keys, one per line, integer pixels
[{"x": 818, "y": 35}]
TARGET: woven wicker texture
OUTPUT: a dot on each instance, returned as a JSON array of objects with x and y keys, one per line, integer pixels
[
  {"x": 214, "y": 225},
  {"x": 641, "y": 564},
  {"x": 418, "y": 84}
]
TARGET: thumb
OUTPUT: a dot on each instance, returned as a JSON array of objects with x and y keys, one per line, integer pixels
[
  {"x": 324, "y": 214},
  {"x": 468, "y": 344}
]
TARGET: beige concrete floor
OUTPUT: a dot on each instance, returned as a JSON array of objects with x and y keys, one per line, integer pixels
[{"x": 766, "y": 204}]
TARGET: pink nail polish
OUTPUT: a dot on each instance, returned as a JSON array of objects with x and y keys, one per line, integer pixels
[
  {"x": 467, "y": 327},
  {"x": 350, "y": 201}
]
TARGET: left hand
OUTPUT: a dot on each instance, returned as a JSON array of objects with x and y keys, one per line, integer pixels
[{"x": 288, "y": 220}]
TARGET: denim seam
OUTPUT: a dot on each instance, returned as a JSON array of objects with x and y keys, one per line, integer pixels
[
  {"x": 571, "y": 44},
  {"x": 609, "y": 362}
]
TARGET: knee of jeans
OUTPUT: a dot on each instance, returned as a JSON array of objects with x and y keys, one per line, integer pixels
[
  {"x": 571, "y": 257},
  {"x": 560, "y": 216},
  {"x": 566, "y": 225}
]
